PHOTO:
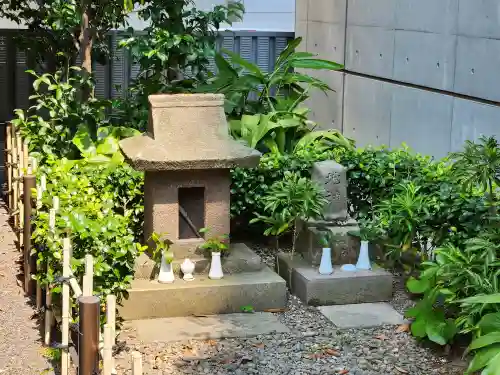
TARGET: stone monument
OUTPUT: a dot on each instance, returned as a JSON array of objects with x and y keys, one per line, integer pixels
[
  {"x": 301, "y": 271},
  {"x": 336, "y": 224},
  {"x": 187, "y": 154}
]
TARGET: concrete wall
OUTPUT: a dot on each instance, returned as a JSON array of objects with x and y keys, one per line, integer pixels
[
  {"x": 424, "y": 72},
  {"x": 261, "y": 15}
]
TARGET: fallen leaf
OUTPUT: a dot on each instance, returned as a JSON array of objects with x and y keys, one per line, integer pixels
[
  {"x": 403, "y": 328},
  {"x": 212, "y": 342},
  {"x": 401, "y": 370},
  {"x": 259, "y": 345},
  {"x": 316, "y": 355},
  {"x": 381, "y": 337},
  {"x": 343, "y": 372},
  {"x": 333, "y": 352},
  {"x": 281, "y": 310},
  {"x": 200, "y": 316},
  {"x": 189, "y": 353}
]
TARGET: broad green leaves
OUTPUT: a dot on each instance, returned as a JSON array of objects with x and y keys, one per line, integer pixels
[
  {"x": 284, "y": 134},
  {"x": 250, "y": 90}
]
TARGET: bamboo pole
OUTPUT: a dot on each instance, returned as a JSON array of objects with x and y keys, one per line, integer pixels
[
  {"x": 55, "y": 203},
  {"x": 107, "y": 352},
  {"x": 15, "y": 176},
  {"x": 29, "y": 265},
  {"x": 111, "y": 315},
  {"x": 21, "y": 157},
  {"x": 43, "y": 182},
  {"x": 48, "y": 295},
  {"x": 136, "y": 363},
  {"x": 65, "y": 359},
  {"x": 88, "y": 277},
  {"x": 8, "y": 142}
]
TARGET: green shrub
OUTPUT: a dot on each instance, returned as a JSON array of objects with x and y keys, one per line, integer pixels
[
  {"x": 249, "y": 185},
  {"x": 99, "y": 217},
  {"x": 293, "y": 198}
]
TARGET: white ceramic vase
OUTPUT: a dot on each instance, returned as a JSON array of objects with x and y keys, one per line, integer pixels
[
  {"x": 187, "y": 268},
  {"x": 325, "y": 267},
  {"x": 166, "y": 275},
  {"x": 364, "y": 257},
  {"x": 216, "y": 267}
]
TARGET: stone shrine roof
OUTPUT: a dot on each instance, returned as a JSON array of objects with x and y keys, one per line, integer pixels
[{"x": 187, "y": 131}]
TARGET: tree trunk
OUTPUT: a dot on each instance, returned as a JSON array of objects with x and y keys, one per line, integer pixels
[{"x": 86, "y": 49}]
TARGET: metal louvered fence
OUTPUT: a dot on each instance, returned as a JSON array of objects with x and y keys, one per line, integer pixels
[{"x": 261, "y": 48}]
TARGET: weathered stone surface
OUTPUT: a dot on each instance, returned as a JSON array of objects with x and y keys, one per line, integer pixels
[
  {"x": 161, "y": 204},
  {"x": 332, "y": 177},
  {"x": 262, "y": 290},
  {"x": 362, "y": 315},
  {"x": 338, "y": 288},
  {"x": 239, "y": 259},
  {"x": 345, "y": 247},
  {"x": 187, "y": 132},
  {"x": 207, "y": 327}
]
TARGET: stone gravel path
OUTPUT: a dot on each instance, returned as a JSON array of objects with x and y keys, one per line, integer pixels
[
  {"x": 314, "y": 346},
  {"x": 20, "y": 346}
]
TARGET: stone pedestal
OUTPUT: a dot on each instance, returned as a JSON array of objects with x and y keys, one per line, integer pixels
[
  {"x": 339, "y": 288},
  {"x": 301, "y": 271},
  {"x": 345, "y": 247},
  {"x": 187, "y": 155}
]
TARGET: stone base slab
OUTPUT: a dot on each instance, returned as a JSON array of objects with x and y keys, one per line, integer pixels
[
  {"x": 362, "y": 315},
  {"x": 148, "y": 299},
  {"x": 205, "y": 327},
  {"x": 339, "y": 288},
  {"x": 240, "y": 259}
]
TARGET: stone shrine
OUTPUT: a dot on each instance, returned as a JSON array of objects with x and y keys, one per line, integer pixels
[
  {"x": 301, "y": 271},
  {"x": 187, "y": 154}
]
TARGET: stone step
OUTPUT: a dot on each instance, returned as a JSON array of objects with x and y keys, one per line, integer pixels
[
  {"x": 239, "y": 259},
  {"x": 204, "y": 327},
  {"x": 339, "y": 288},
  {"x": 148, "y": 299}
]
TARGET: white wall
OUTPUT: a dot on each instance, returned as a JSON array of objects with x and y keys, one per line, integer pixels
[{"x": 261, "y": 15}]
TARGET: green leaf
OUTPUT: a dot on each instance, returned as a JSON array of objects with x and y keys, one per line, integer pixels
[
  {"x": 435, "y": 331},
  {"x": 482, "y": 358},
  {"x": 418, "y": 328},
  {"x": 108, "y": 146},
  {"x": 290, "y": 48},
  {"x": 83, "y": 141},
  {"x": 316, "y": 64},
  {"x": 493, "y": 367},
  {"x": 482, "y": 299},
  {"x": 489, "y": 323},
  {"x": 235, "y": 58},
  {"x": 417, "y": 286},
  {"x": 486, "y": 340}
]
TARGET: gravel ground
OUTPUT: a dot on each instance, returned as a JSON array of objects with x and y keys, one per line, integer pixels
[
  {"x": 20, "y": 346},
  {"x": 314, "y": 346}
]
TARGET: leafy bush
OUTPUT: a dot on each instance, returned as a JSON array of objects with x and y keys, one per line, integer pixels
[
  {"x": 486, "y": 343},
  {"x": 291, "y": 199},
  {"x": 50, "y": 125},
  {"x": 100, "y": 219},
  {"x": 249, "y": 185}
]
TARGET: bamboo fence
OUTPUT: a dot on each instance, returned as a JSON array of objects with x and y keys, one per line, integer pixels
[{"x": 93, "y": 343}]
